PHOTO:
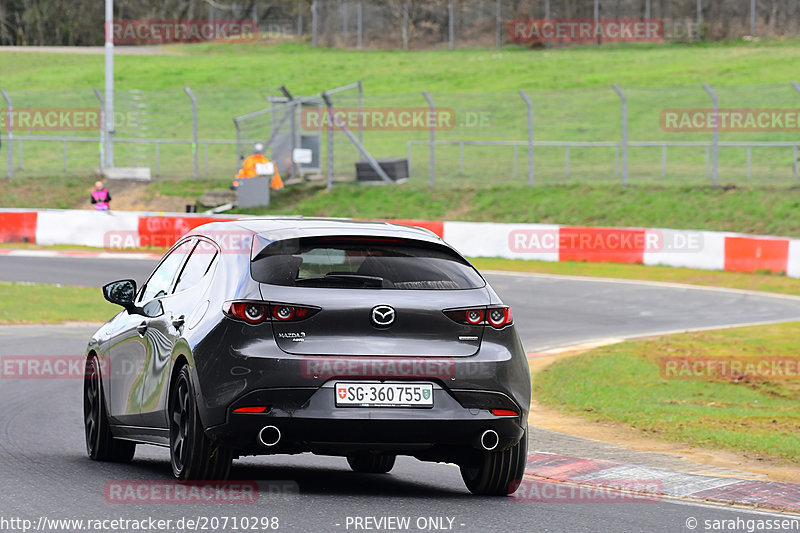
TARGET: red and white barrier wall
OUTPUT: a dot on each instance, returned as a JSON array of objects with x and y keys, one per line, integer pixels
[{"x": 707, "y": 250}]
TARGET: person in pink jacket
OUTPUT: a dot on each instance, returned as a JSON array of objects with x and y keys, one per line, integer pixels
[{"x": 101, "y": 198}]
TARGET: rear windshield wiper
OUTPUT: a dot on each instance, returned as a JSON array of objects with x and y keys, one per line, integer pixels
[{"x": 358, "y": 279}]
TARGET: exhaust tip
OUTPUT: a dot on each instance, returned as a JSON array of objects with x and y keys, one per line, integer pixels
[
  {"x": 489, "y": 440},
  {"x": 269, "y": 436}
]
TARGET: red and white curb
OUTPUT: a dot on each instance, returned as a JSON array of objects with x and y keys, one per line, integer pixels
[
  {"x": 706, "y": 250},
  {"x": 645, "y": 480}
]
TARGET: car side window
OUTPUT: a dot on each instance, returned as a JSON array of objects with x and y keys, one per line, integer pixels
[
  {"x": 197, "y": 266},
  {"x": 160, "y": 281}
]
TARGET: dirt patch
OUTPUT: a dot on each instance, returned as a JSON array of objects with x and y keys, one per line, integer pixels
[
  {"x": 129, "y": 195},
  {"x": 626, "y": 437}
]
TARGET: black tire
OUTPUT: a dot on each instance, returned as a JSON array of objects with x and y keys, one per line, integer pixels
[
  {"x": 192, "y": 454},
  {"x": 100, "y": 443},
  {"x": 496, "y": 473},
  {"x": 371, "y": 463}
]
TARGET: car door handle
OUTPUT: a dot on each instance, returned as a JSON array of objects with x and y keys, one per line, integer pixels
[
  {"x": 178, "y": 322},
  {"x": 142, "y": 328}
]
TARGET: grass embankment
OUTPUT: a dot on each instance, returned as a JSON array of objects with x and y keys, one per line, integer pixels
[
  {"x": 627, "y": 383},
  {"x": 767, "y": 211},
  {"x": 570, "y": 87},
  {"x": 22, "y": 303}
]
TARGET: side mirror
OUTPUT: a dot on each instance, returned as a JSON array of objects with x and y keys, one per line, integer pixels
[{"x": 121, "y": 293}]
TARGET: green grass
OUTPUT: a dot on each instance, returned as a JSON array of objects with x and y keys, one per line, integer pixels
[
  {"x": 733, "y": 280},
  {"x": 22, "y": 303},
  {"x": 623, "y": 383},
  {"x": 748, "y": 210},
  {"x": 308, "y": 70},
  {"x": 767, "y": 211},
  {"x": 570, "y": 87}
]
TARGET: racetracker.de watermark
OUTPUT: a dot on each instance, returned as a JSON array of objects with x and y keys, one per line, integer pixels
[
  {"x": 612, "y": 491},
  {"x": 602, "y": 240},
  {"x": 359, "y": 367},
  {"x": 195, "y": 492},
  {"x": 392, "y": 119},
  {"x": 47, "y": 366},
  {"x": 585, "y": 30},
  {"x": 51, "y": 119},
  {"x": 227, "y": 241},
  {"x": 729, "y": 368},
  {"x": 149, "y": 31},
  {"x": 732, "y": 119},
  {"x": 61, "y": 119}
]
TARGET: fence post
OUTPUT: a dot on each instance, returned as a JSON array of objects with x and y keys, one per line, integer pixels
[
  {"x": 647, "y": 9},
  {"x": 102, "y": 128},
  {"x": 451, "y": 24},
  {"x": 715, "y": 138},
  {"x": 299, "y": 22},
  {"x": 10, "y": 133},
  {"x": 498, "y": 20},
  {"x": 796, "y": 88},
  {"x": 329, "y": 164},
  {"x": 596, "y": 18},
  {"x": 529, "y": 105},
  {"x": 314, "y": 23},
  {"x": 361, "y": 24},
  {"x": 195, "y": 167},
  {"x": 547, "y": 16},
  {"x": 699, "y": 19},
  {"x": 624, "y": 107},
  {"x": 405, "y": 25},
  {"x": 238, "y": 142},
  {"x": 360, "y": 112},
  {"x": 752, "y": 18},
  {"x": 432, "y": 147},
  {"x": 293, "y": 108},
  {"x": 749, "y": 162}
]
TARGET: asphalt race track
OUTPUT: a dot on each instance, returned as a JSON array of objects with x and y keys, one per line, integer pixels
[{"x": 44, "y": 471}]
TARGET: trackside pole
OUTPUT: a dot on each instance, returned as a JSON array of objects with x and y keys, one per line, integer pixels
[
  {"x": 102, "y": 128},
  {"x": 529, "y": 105},
  {"x": 10, "y": 133},
  {"x": 432, "y": 147},
  {"x": 624, "y": 107},
  {"x": 374, "y": 164},
  {"x": 715, "y": 137},
  {"x": 195, "y": 169}
]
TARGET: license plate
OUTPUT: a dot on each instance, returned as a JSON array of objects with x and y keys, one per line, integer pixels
[{"x": 384, "y": 395}]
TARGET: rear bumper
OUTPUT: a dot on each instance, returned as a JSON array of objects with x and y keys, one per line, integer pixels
[{"x": 445, "y": 431}]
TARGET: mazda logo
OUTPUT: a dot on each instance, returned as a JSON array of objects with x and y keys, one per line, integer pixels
[{"x": 383, "y": 316}]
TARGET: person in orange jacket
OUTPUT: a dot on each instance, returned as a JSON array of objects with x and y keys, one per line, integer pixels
[{"x": 248, "y": 169}]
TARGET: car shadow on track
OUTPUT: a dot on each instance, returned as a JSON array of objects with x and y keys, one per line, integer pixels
[{"x": 314, "y": 479}]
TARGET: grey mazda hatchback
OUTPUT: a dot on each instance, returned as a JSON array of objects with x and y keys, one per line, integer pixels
[{"x": 359, "y": 339}]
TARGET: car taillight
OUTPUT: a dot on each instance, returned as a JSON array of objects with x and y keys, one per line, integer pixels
[
  {"x": 504, "y": 412},
  {"x": 284, "y": 313},
  {"x": 258, "y": 312},
  {"x": 251, "y": 410},
  {"x": 474, "y": 316},
  {"x": 497, "y": 317},
  {"x": 252, "y": 313}
]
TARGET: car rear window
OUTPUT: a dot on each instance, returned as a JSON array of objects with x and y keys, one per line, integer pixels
[{"x": 363, "y": 262}]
